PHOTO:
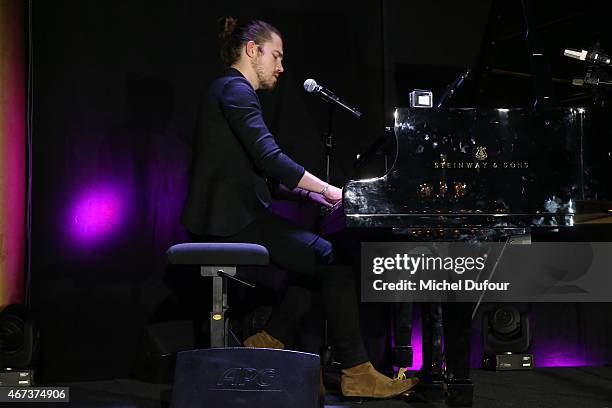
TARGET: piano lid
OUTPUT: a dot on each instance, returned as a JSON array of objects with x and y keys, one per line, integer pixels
[{"x": 490, "y": 168}]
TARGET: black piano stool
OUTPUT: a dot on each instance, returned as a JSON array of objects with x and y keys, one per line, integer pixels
[{"x": 218, "y": 261}]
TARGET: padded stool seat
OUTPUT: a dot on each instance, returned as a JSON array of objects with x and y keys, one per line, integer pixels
[
  {"x": 217, "y": 254},
  {"x": 218, "y": 260}
]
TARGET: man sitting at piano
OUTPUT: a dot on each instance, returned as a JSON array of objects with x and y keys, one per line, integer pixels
[{"x": 234, "y": 155}]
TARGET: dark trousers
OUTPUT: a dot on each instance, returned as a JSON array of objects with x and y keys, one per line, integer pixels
[{"x": 307, "y": 254}]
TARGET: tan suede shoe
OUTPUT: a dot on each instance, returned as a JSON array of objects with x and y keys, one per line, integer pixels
[
  {"x": 364, "y": 381},
  {"x": 263, "y": 340}
]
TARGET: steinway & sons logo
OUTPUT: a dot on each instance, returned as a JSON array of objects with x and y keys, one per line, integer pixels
[
  {"x": 480, "y": 162},
  {"x": 481, "y": 153}
]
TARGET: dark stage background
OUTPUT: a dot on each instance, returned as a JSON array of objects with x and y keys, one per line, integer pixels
[{"x": 116, "y": 88}]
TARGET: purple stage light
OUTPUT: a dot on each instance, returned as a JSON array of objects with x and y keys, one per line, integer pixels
[
  {"x": 562, "y": 357},
  {"x": 417, "y": 343},
  {"x": 561, "y": 361},
  {"x": 96, "y": 214}
]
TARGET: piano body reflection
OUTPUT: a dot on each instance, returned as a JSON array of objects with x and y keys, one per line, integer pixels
[
  {"x": 458, "y": 170},
  {"x": 478, "y": 174}
]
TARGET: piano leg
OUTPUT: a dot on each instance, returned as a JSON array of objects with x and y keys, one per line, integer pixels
[
  {"x": 457, "y": 335},
  {"x": 446, "y": 375},
  {"x": 402, "y": 330},
  {"x": 431, "y": 375}
]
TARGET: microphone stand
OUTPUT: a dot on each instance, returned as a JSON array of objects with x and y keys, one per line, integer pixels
[
  {"x": 327, "y": 356},
  {"x": 596, "y": 77},
  {"x": 328, "y": 141}
]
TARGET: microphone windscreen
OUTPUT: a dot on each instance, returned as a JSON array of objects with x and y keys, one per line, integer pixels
[{"x": 310, "y": 85}]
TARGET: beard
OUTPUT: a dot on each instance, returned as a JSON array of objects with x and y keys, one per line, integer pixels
[{"x": 265, "y": 81}]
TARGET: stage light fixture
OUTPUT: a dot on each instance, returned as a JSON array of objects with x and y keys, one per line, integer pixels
[
  {"x": 506, "y": 337},
  {"x": 18, "y": 346}
]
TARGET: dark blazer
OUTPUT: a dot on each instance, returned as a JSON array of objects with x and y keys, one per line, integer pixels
[{"x": 233, "y": 154}]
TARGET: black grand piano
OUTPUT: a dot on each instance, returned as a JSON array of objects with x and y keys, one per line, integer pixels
[
  {"x": 542, "y": 171},
  {"x": 486, "y": 175},
  {"x": 462, "y": 170}
]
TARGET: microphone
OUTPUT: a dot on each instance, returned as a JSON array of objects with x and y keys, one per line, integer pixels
[
  {"x": 311, "y": 86},
  {"x": 591, "y": 57}
]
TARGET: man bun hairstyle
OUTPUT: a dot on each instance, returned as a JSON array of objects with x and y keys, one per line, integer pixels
[{"x": 233, "y": 34}]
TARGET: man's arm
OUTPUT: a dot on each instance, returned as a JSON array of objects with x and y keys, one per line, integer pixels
[
  {"x": 241, "y": 109},
  {"x": 299, "y": 194},
  {"x": 243, "y": 113}
]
